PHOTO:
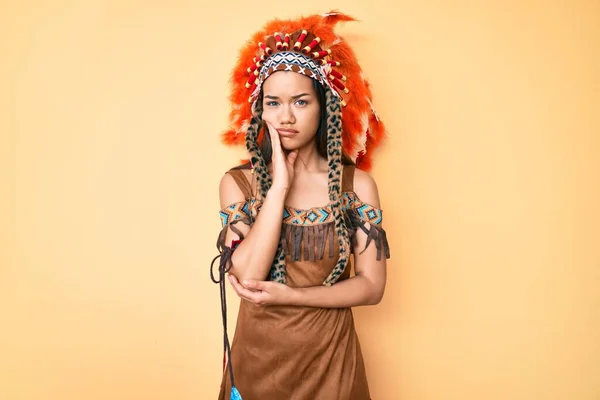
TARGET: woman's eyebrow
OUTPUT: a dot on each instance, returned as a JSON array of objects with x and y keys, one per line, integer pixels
[{"x": 268, "y": 96}]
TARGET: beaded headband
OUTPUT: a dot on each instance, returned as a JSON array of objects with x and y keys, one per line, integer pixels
[{"x": 290, "y": 61}]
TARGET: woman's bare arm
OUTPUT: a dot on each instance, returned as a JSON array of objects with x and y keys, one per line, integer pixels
[
  {"x": 253, "y": 257},
  {"x": 365, "y": 288}
]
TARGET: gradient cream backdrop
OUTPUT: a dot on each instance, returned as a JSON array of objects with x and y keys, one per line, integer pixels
[{"x": 110, "y": 113}]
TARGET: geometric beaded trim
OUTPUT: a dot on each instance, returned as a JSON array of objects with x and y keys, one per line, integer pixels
[
  {"x": 370, "y": 214},
  {"x": 306, "y": 217},
  {"x": 312, "y": 216},
  {"x": 233, "y": 212},
  {"x": 240, "y": 210}
]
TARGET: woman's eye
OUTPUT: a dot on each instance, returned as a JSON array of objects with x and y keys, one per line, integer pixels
[
  {"x": 301, "y": 102},
  {"x": 271, "y": 103}
]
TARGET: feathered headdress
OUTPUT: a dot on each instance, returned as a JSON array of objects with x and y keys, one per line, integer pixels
[{"x": 313, "y": 36}]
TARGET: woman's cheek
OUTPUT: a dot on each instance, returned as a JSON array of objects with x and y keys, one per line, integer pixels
[
  {"x": 267, "y": 116},
  {"x": 312, "y": 117},
  {"x": 312, "y": 113}
]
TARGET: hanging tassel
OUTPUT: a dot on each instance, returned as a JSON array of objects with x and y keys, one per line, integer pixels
[
  {"x": 225, "y": 265},
  {"x": 307, "y": 242},
  {"x": 296, "y": 242},
  {"x": 311, "y": 243},
  {"x": 235, "y": 395},
  {"x": 330, "y": 235},
  {"x": 285, "y": 242},
  {"x": 374, "y": 234},
  {"x": 321, "y": 233}
]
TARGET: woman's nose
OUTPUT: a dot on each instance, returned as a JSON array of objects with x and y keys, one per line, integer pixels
[{"x": 287, "y": 115}]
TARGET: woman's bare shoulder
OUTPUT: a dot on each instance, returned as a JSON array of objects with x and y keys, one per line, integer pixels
[
  {"x": 365, "y": 188},
  {"x": 229, "y": 190}
]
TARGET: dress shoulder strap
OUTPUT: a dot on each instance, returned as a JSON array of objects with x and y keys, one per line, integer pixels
[
  {"x": 242, "y": 182},
  {"x": 348, "y": 178}
]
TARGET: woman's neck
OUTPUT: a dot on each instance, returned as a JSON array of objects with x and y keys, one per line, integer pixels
[{"x": 309, "y": 160}]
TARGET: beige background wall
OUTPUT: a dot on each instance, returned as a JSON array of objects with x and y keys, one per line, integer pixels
[{"x": 110, "y": 160}]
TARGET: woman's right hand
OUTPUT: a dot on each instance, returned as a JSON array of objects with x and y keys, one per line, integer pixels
[{"x": 283, "y": 165}]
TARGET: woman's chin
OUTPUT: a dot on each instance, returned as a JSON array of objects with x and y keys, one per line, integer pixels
[
  {"x": 289, "y": 144},
  {"x": 293, "y": 143}
]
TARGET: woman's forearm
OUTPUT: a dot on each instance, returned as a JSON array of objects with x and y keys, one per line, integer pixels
[
  {"x": 254, "y": 256},
  {"x": 352, "y": 292}
]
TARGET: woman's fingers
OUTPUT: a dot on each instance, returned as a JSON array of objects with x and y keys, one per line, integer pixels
[
  {"x": 278, "y": 158},
  {"x": 275, "y": 142},
  {"x": 283, "y": 162},
  {"x": 291, "y": 158},
  {"x": 239, "y": 289},
  {"x": 245, "y": 293}
]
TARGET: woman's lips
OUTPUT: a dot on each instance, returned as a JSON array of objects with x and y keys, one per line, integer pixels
[{"x": 287, "y": 132}]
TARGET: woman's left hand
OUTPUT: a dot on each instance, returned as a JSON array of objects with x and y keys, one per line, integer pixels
[{"x": 263, "y": 293}]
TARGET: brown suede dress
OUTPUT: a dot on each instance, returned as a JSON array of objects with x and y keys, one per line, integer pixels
[{"x": 302, "y": 353}]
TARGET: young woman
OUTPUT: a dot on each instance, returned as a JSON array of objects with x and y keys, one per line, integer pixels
[{"x": 295, "y": 216}]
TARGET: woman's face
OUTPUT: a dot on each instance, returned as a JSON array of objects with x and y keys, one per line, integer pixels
[{"x": 291, "y": 106}]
